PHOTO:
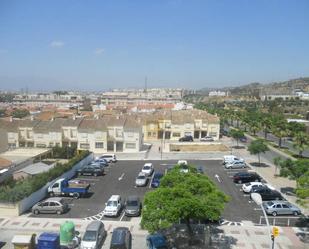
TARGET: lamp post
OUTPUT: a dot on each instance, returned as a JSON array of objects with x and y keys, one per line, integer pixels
[{"x": 256, "y": 197}]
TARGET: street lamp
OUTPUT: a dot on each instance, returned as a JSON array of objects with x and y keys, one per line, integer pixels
[{"x": 256, "y": 197}]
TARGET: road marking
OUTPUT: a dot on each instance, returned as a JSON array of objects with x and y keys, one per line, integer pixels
[
  {"x": 246, "y": 195},
  {"x": 88, "y": 179},
  {"x": 151, "y": 180},
  {"x": 121, "y": 177},
  {"x": 218, "y": 178},
  {"x": 122, "y": 216},
  {"x": 257, "y": 209}
]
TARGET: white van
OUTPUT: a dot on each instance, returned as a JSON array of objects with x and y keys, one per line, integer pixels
[
  {"x": 113, "y": 206},
  {"x": 109, "y": 158},
  {"x": 231, "y": 159}
]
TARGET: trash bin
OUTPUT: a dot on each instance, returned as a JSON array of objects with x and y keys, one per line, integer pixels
[
  {"x": 24, "y": 241},
  {"x": 68, "y": 236},
  {"x": 49, "y": 241}
]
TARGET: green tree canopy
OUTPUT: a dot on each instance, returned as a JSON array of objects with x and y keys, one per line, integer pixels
[
  {"x": 257, "y": 147},
  {"x": 301, "y": 142},
  {"x": 20, "y": 113},
  {"x": 182, "y": 196},
  {"x": 237, "y": 134}
]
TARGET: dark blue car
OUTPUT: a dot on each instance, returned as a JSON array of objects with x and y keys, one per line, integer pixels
[
  {"x": 156, "y": 179},
  {"x": 156, "y": 241}
]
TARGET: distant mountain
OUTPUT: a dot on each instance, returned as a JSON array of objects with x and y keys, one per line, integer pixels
[{"x": 256, "y": 89}]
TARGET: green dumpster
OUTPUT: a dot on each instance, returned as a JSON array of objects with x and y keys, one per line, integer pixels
[{"x": 67, "y": 233}]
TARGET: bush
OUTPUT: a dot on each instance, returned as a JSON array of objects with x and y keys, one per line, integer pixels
[{"x": 14, "y": 192}]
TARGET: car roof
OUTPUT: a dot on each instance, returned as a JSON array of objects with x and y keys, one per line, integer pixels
[
  {"x": 157, "y": 240},
  {"x": 158, "y": 174},
  {"x": 114, "y": 198},
  {"x": 118, "y": 236},
  {"x": 53, "y": 199},
  {"x": 148, "y": 164},
  {"x": 94, "y": 225},
  {"x": 141, "y": 174}
]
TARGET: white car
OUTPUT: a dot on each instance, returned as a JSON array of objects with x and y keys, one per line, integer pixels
[
  {"x": 247, "y": 187},
  {"x": 182, "y": 162},
  {"x": 235, "y": 165},
  {"x": 231, "y": 158},
  {"x": 207, "y": 139},
  {"x": 147, "y": 169},
  {"x": 113, "y": 206},
  {"x": 141, "y": 180}
]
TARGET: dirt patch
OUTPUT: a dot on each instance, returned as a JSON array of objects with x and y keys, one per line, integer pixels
[{"x": 198, "y": 147}]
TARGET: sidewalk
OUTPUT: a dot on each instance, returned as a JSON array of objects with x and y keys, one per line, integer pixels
[{"x": 247, "y": 237}]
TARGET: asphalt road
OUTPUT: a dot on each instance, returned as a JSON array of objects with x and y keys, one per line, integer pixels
[{"x": 120, "y": 180}]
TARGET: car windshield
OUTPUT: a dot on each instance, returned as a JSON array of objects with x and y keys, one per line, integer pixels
[
  {"x": 132, "y": 203},
  {"x": 157, "y": 176},
  {"x": 90, "y": 236},
  {"x": 247, "y": 184},
  {"x": 112, "y": 203},
  {"x": 270, "y": 203},
  {"x": 146, "y": 167},
  {"x": 141, "y": 177}
]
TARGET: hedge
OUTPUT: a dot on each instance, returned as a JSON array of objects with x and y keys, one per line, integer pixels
[{"x": 21, "y": 189}]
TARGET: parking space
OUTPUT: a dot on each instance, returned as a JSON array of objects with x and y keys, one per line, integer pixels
[{"x": 120, "y": 180}]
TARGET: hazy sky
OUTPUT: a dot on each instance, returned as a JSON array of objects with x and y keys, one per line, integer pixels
[{"x": 97, "y": 45}]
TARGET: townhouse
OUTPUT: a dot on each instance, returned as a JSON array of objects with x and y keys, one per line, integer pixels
[{"x": 107, "y": 134}]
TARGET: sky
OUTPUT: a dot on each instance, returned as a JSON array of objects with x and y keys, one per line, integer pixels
[{"x": 99, "y": 45}]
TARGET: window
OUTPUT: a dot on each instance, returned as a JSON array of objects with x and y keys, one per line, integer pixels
[
  {"x": 130, "y": 145},
  {"x": 99, "y": 145},
  {"x": 73, "y": 133},
  {"x": 149, "y": 134},
  {"x": 40, "y": 135},
  {"x": 51, "y": 144},
  {"x": 176, "y": 134},
  {"x": 84, "y": 146},
  {"x": 285, "y": 206},
  {"x": 41, "y": 145},
  {"x": 118, "y": 132}
]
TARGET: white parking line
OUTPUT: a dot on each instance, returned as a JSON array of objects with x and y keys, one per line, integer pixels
[
  {"x": 122, "y": 216},
  {"x": 88, "y": 179},
  {"x": 257, "y": 209},
  {"x": 151, "y": 180},
  {"x": 121, "y": 177}
]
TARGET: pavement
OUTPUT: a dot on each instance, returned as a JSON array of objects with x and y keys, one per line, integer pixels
[{"x": 247, "y": 237}]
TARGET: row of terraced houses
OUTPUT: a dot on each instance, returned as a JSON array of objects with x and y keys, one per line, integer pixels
[{"x": 109, "y": 133}]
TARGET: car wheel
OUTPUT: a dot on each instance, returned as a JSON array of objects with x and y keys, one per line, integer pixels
[
  {"x": 240, "y": 181},
  {"x": 274, "y": 213},
  {"x": 51, "y": 194},
  {"x": 36, "y": 212},
  {"x": 295, "y": 213},
  {"x": 58, "y": 212},
  {"x": 76, "y": 195}
]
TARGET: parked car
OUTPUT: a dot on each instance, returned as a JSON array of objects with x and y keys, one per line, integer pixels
[
  {"x": 103, "y": 162},
  {"x": 207, "y": 139},
  {"x": 113, "y": 206},
  {"x": 280, "y": 208},
  {"x": 186, "y": 139},
  {"x": 94, "y": 170},
  {"x": 243, "y": 139},
  {"x": 121, "y": 238},
  {"x": 182, "y": 162},
  {"x": 231, "y": 158},
  {"x": 133, "y": 206},
  {"x": 200, "y": 169},
  {"x": 246, "y": 187},
  {"x": 156, "y": 179},
  {"x": 141, "y": 180},
  {"x": 256, "y": 187},
  {"x": 147, "y": 169},
  {"x": 268, "y": 194},
  {"x": 156, "y": 241},
  {"x": 235, "y": 165},
  {"x": 243, "y": 177},
  {"x": 51, "y": 205},
  {"x": 111, "y": 158},
  {"x": 94, "y": 235}
]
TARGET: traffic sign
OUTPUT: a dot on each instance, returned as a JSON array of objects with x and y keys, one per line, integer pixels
[{"x": 275, "y": 231}]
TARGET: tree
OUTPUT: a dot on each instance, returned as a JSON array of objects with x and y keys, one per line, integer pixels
[
  {"x": 182, "y": 196},
  {"x": 257, "y": 147},
  {"x": 294, "y": 169},
  {"x": 301, "y": 142},
  {"x": 237, "y": 134},
  {"x": 302, "y": 190},
  {"x": 295, "y": 128},
  {"x": 266, "y": 123},
  {"x": 20, "y": 113},
  {"x": 277, "y": 162},
  {"x": 279, "y": 128}
]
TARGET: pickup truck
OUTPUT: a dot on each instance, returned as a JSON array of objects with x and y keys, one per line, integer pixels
[{"x": 68, "y": 188}]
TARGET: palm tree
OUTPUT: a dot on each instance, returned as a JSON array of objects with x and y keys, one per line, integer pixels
[
  {"x": 301, "y": 142},
  {"x": 280, "y": 128},
  {"x": 277, "y": 161},
  {"x": 266, "y": 123}
]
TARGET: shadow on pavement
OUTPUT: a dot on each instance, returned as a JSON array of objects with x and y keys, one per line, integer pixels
[
  {"x": 288, "y": 191},
  {"x": 202, "y": 237},
  {"x": 260, "y": 165}
]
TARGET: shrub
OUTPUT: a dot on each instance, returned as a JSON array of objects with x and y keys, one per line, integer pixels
[{"x": 14, "y": 192}]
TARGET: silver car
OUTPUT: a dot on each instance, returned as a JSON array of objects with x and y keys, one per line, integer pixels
[
  {"x": 235, "y": 165},
  {"x": 141, "y": 180},
  {"x": 51, "y": 205},
  {"x": 280, "y": 208}
]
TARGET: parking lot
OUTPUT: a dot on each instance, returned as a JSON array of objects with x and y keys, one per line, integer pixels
[{"x": 120, "y": 180}]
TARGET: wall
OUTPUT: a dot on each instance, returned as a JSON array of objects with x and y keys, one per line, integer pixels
[
  {"x": 35, "y": 197},
  {"x": 9, "y": 209},
  {"x": 3, "y": 140}
]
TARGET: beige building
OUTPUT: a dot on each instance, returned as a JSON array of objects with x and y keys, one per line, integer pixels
[
  {"x": 107, "y": 134},
  {"x": 172, "y": 125}
]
